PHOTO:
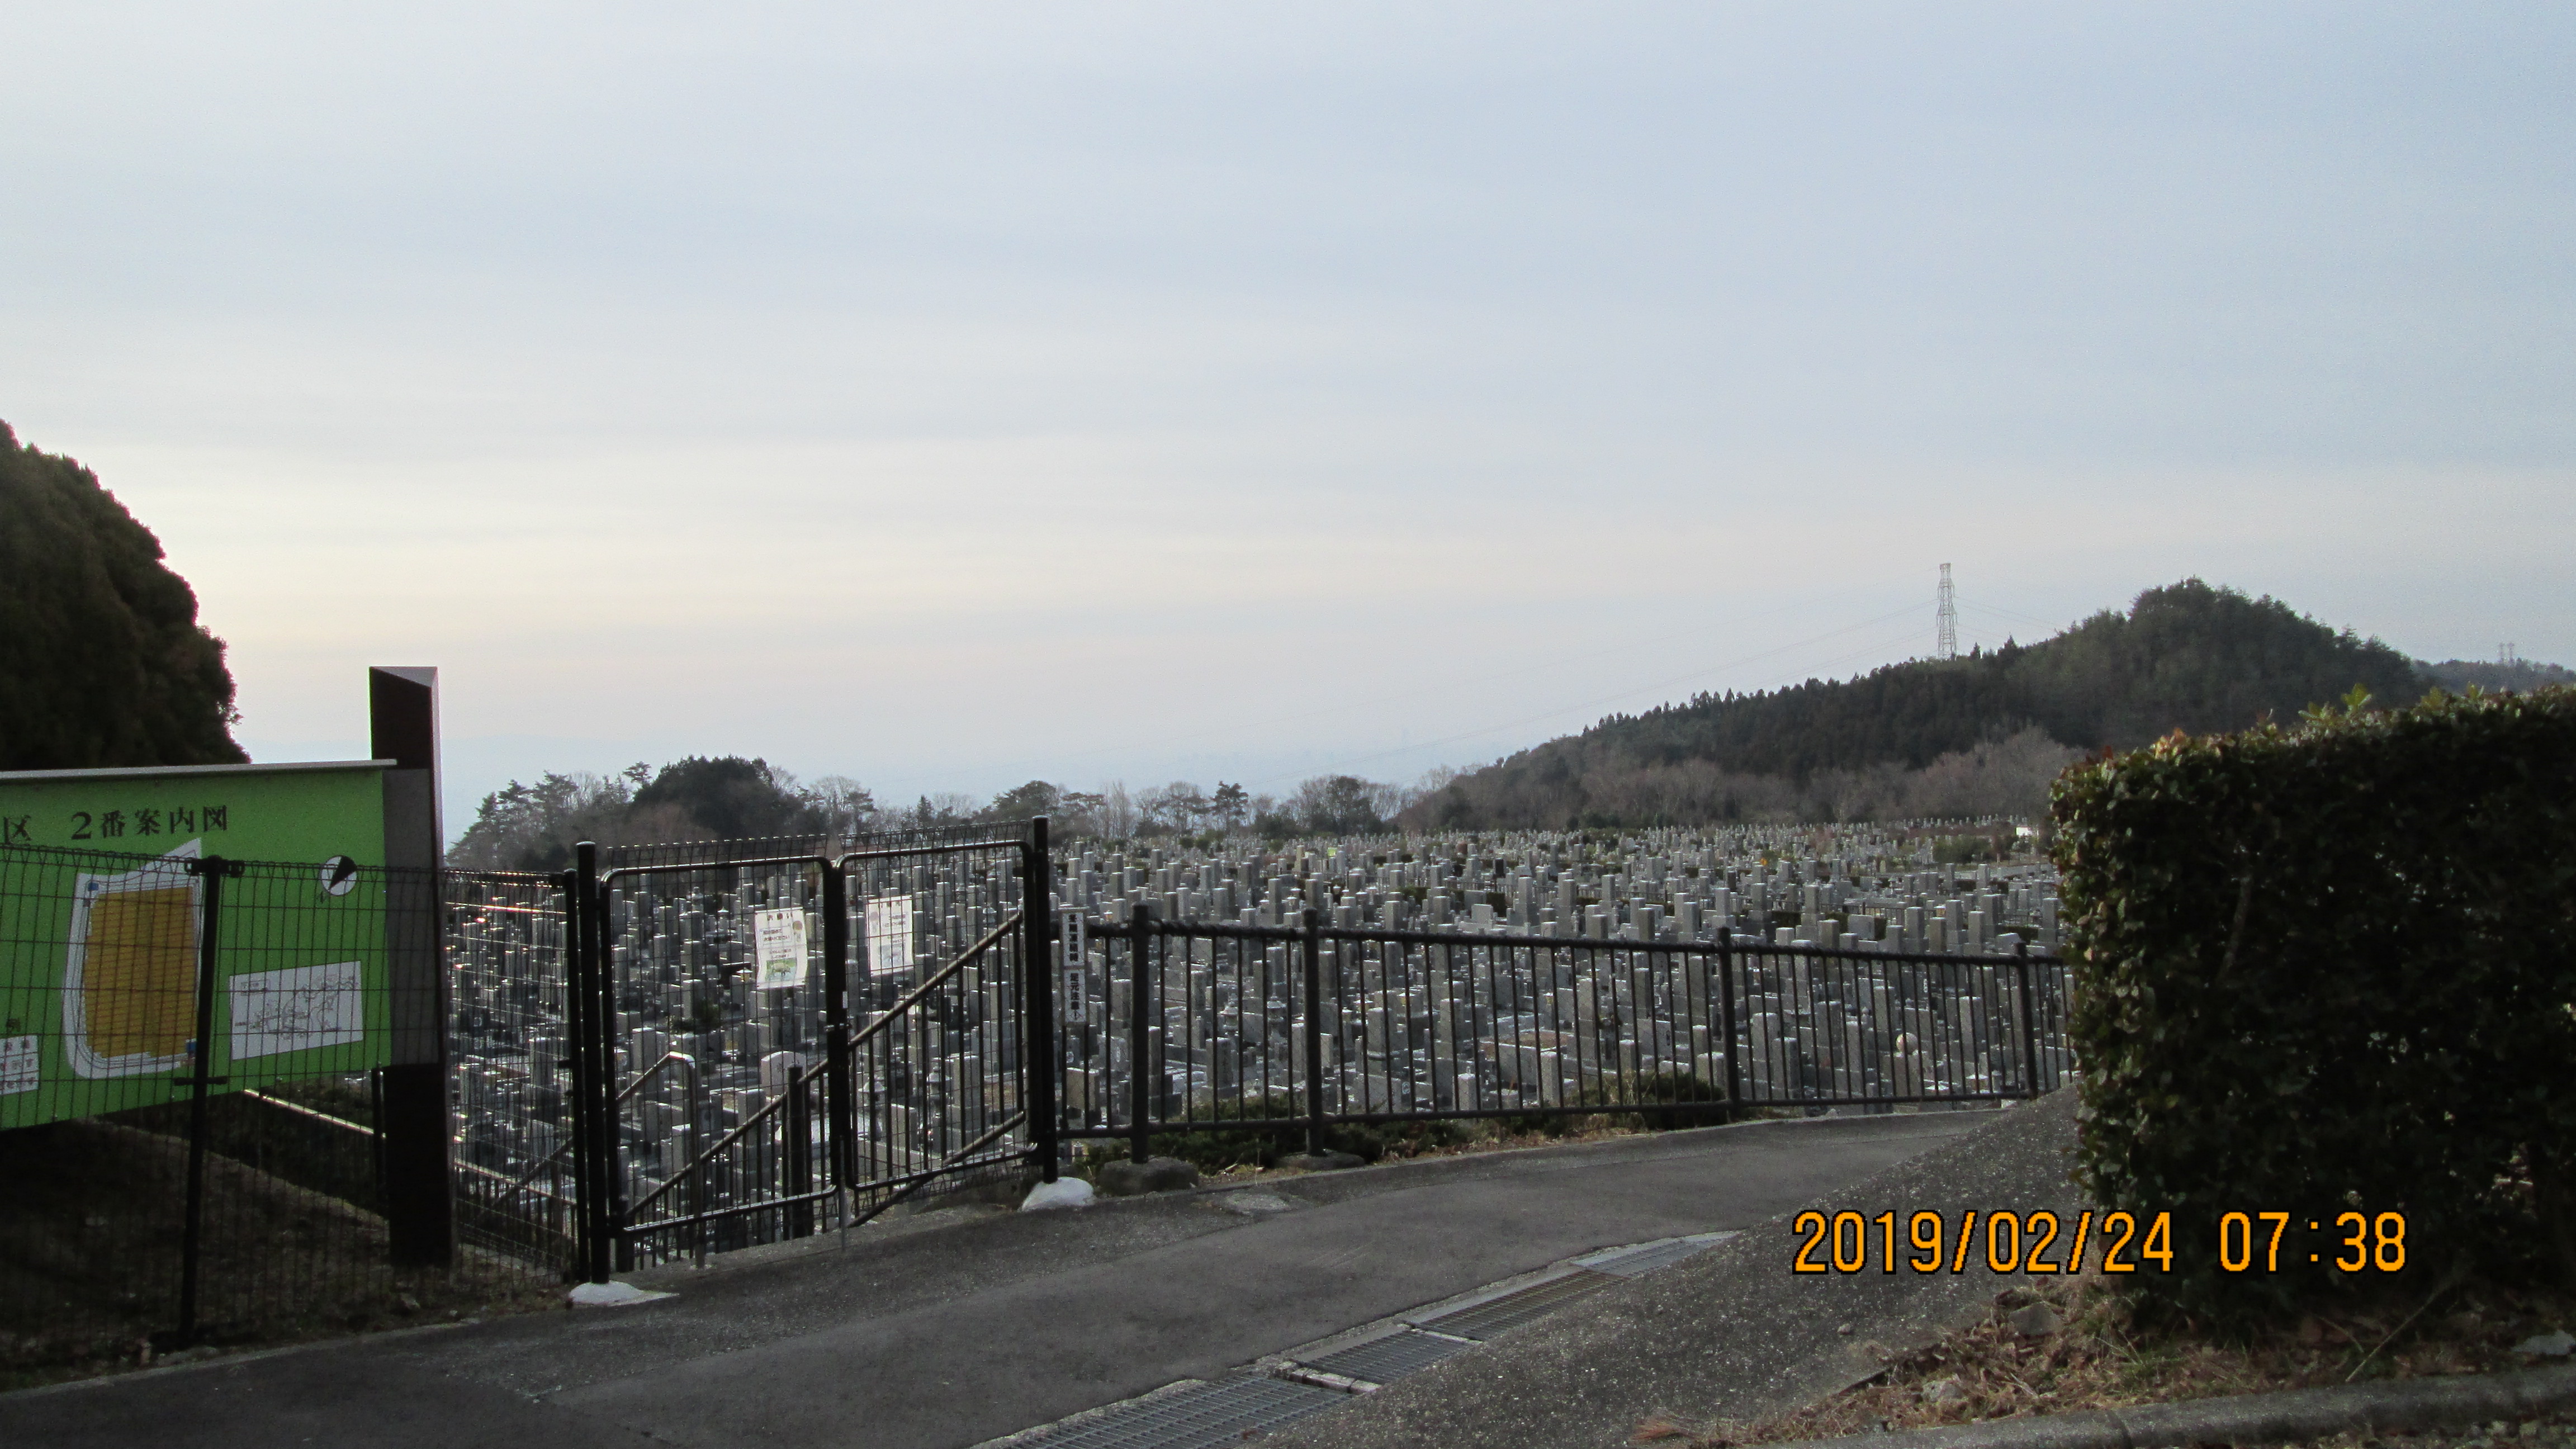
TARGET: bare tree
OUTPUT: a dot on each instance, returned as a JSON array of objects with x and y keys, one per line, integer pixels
[
  {"x": 1118, "y": 815},
  {"x": 1078, "y": 813},
  {"x": 848, "y": 808},
  {"x": 1177, "y": 807}
]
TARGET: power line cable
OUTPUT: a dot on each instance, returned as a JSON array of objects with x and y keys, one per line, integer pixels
[{"x": 2011, "y": 614}]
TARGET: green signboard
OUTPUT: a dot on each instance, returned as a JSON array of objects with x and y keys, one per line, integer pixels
[{"x": 99, "y": 954}]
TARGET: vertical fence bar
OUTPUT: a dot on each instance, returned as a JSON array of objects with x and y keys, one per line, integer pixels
[
  {"x": 840, "y": 1089},
  {"x": 2029, "y": 1027},
  {"x": 1037, "y": 1023},
  {"x": 1311, "y": 946},
  {"x": 594, "y": 1066},
  {"x": 376, "y": 1138},
  {"x": 212, "y": 870},
  {"x": 800, "y": 1152},
  {"x": 1726, "y": 1013},
  {"x": 577, "y": 1031},
  {"x": 1140, "y": 1127}
]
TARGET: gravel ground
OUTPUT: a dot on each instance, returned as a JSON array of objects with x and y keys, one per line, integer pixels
[{"x": 2557, "y": 1429}]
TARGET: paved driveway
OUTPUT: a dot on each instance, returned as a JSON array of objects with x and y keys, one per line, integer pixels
[{"x": 953, "y": 1328}]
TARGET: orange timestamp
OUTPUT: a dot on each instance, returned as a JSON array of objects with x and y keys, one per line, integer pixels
[
  {"x": 2012, "y": 1242},
  {"x": 2373, "y": 1242},
  {"x": 2042, "y": 1242}
]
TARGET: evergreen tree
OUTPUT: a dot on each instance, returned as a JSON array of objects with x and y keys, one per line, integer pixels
[
  {"x": 534, "y": 827},
  {"x": 731, "y": 798},
  {"x": 102, "y": 660}
]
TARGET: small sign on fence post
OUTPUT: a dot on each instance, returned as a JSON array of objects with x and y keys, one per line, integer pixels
[{"x": 1073, "y": 1004}]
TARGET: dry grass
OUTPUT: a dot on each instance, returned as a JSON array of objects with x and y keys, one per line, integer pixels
[
  {"x": 1491, "y": 1134},
  {"x": 2097, "y": 1357},
  {"x": 1485, "y": 1138},
  {"x": 2549, "y": 1432},
  {"x": 90, "y": 1230}
]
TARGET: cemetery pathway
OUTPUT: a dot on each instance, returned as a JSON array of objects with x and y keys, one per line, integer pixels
[{"x": 951, "y": 1328}]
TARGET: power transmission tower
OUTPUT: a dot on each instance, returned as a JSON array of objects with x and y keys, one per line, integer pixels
[{"x": 1946, "y": 644}]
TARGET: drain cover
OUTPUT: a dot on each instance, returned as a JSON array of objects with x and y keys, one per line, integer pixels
[
  {"x": 1646, "y": 1258},
  {"x": 1198, "y": 1417},
  {"x": 1227, "y": 1410},
  {"x": 1484, "y": 1320},
  {"x": 1384, "y": 1360}
]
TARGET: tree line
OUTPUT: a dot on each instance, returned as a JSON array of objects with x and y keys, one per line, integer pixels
[
  {"x": 535, "y": 826},
  {"x": 1985, "y": 731}
]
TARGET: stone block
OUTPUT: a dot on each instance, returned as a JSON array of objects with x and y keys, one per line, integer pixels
[
  {"x": 1318, "y": 1161},
  {"x": 1159, "y": 1174}
]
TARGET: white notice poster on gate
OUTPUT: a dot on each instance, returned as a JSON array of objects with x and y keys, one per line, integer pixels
[
  {"x": 889, "y": 934},
  {"x": 779, "y": 942}
]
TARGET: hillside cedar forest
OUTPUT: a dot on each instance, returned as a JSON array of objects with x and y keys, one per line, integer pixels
[
  {"x": 108, "y": 665},
  {"x": 1978, "y": 735}
]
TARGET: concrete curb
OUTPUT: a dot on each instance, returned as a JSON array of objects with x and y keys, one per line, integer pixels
[{"x": 2382, "y": 1406}]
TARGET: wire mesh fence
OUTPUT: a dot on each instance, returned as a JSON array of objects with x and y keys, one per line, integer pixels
[
  {"x": 938, "y": 1074},
  {"x": 720, "y": 1002},
  {"x": 193, "y": 1049},
  {"x": 506, "y": 943},
  {"x": 794, "y": 1043},
  {"x": 937, "y": 1055}
]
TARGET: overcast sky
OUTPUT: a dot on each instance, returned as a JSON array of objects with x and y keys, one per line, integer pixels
[{"x": 951, "y": 395}]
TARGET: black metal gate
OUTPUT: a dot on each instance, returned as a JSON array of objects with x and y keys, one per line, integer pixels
[
  {"x": 769, "y": 1045},
  {"x": 946, "y": 1079}
]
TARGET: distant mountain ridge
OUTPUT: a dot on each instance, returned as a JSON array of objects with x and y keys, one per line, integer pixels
[
  {"x": 2520, "y": 675},
  {"x": 2186, "y": 656}
]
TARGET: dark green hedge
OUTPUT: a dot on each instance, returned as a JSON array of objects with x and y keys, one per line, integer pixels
[{"x": 2327, "y": 968}]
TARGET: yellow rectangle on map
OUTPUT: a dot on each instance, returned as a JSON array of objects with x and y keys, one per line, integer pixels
[{"x": 139, "y": 973}]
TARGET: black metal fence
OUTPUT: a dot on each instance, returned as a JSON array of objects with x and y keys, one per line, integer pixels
[
  {"x": 675, "y": 1050},
  {"x": 718, "y": 1047},
  {"x": 722, "y": 990},
  {"x": 192, "y": 1052},
  {"x": 1310, "y": 1025},
  {"x": 506, "y": 944},
  {"x": 940, "y": 1060}
]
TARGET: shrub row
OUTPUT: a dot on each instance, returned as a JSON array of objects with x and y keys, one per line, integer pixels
[{"x": 2332, "y": 968}]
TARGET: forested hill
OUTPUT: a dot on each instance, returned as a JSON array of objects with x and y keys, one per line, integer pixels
[{"x": 2185, "y": 656}]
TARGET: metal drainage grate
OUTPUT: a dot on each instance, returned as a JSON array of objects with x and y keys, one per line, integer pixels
[
  {"x": 1638, "y": 1261},
  {"x": 1484, "y": 1320},
  {"x": 1197, "y": 1417},
  {"x": 1229, "y": 1410},
  {"x": 1384, "y": 1360}
]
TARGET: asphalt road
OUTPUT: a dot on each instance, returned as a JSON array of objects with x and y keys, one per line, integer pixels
[
  {"x": 953, "y": 1328},
  {"x": 1730, "y": 1334}
]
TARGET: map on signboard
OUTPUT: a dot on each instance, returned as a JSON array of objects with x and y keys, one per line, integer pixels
[
  {"x": 296, "y": 1009},
  {"x": 779, "y": 947},
  {"x": 889, "y": 934},
  {"x": 130, "y": 977}
]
